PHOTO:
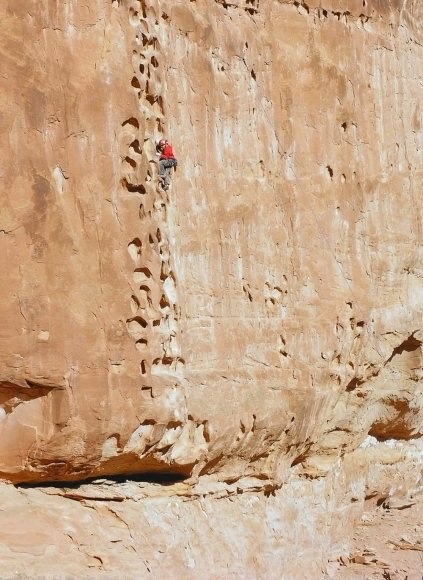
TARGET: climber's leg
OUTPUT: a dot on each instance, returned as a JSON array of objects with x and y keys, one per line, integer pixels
[
  {"x": 166, "y": 181},
  {"x": 162, "y": 170}
]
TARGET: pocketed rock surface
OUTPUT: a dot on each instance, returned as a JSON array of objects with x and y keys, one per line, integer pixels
[{"x": 251, "y": 340}]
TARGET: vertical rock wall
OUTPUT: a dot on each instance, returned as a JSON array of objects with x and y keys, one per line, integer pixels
[
  {"x": 298, "y": 222},
  {"x": 263, "y": 317},
  {"x": 64, "y": 255},
  {"x": 257, "y": 328}
]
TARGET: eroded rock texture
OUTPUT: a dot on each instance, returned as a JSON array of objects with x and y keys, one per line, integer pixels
[{"x": 261, "y": 321}]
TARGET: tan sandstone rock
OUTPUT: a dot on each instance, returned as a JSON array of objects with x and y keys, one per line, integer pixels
[{"x": 260, "y": 321}]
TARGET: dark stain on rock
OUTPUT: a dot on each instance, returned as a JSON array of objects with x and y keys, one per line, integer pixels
[
  {"x": 41, "y": 189},
  {"x": 34, "y": 225},
  {"x": 39, "y": 248}
]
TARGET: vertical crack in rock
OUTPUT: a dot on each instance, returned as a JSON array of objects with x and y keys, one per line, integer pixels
[{"x": 155, "y": 310}]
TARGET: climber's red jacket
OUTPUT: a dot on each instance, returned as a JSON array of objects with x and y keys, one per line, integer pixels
[{"x": 167, "y": 152}]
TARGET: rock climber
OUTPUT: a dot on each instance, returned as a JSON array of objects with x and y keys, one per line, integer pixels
[{"x": 166, "y": 162}]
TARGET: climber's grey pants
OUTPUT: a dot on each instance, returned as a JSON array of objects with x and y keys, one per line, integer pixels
[{"x": 165, "y": 170}]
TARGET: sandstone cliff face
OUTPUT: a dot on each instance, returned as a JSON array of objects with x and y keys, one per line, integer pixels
[{"x": 261, "y": 321}]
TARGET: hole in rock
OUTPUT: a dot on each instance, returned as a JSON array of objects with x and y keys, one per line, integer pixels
[
  {"x": 167, "y": 361},
  {"x": 409, "y": 345},
  {"x": 303, "y": 6},
  {"x": 159, "y": 477},
  {"x": 353, "y": 384},
  {"x": 135, "y": 83},
  {"x": 132, "y": 121},
  {"x": 131, "y": 162},
  {"x": 134, "y": 249},
  {"x": 141, "y": 344},
  {"x": 133, "y": 187},
  {"x": 164, "y": 303},
  {"x": 146, "y": 271},
  {"x": 135, "y": 323},
  {"x": 165, "y": 273},
  {"x": 135, "y": 145},
  {"x": 151, "y": 99},
  {"x": 145, "y": 289}
]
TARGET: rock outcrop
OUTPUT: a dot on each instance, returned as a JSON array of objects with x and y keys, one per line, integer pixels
[{"x": 258, "y": 327}]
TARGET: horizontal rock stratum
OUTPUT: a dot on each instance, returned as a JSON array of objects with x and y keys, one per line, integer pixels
[{"x": 260, "y": 323}]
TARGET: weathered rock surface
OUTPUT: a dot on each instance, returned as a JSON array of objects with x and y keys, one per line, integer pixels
[
  {"x": 209, "y": 530},
  {"x": 215, "y": 530},
  {"x": 262, "y": 323}
]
